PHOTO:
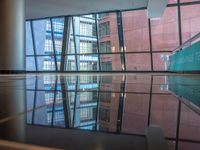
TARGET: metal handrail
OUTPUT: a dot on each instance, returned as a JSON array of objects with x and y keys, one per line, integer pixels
[{"x": 187, "y": 43}]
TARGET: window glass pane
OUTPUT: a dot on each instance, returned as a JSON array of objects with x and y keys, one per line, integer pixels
[
  {"x": 112, "y": 84},
  {"x": 44, "y": 45},
  {"x": 110, "y": 62},
  {"x": 105, "y": 97},
  {"x": 106, "y": 79},
  {"x": 87, "y": 26},
  {"x": 108, "y": 113},
  {"x": 88, "y": 81},
  {"x": 47, "y": 83},
  {"x": 71, "y": 98},
  {"x": 58, "y": 59},
  {"x": 58, "y": 119},
  {"x": 71, "y": 49},
  {"x": 104, "y": 29},
  {"x": 165, "y": 36},
  {"x": 104, "y": 114},
  {"x": 70, "y": 63},
  {"x": 29, "y": 40},
  {"x": 189, "y": 124},
  {"x": 87, "y": 62},
  {"x": 135, "y": 62},
  {"x": 105, "y": 47},
  {"x": 42, "y": 115},
  {"x": 58, "y": 28},
  {"x": 160, "y": 61},
  {"x": 88, "y": 46},
  {"x": 71, "y": 46},
  {"x": 108, "y": 32},
  {"x": 88, "y": 97},
  {"x": 85, "y": 34},
  {"x": 49, "y": 100},
  {"x": 71, "y": 80},
  {"x": 30, "y": 64},
  {"x": 136, "y": 31},
  {"x": 190, "y": 20},
  {"x": 30, "y": 83},
  {"x": 160, "y": 84},
  {"x": 29, "y": 105},
  {"x": 46, "y": 63},
  {"x": 164, "y": 110},
  {"x": 135, "y": 115},
  {"x": 85, "y": 117},
  {"x": 137, "y": 83},
  {"x": 43, "y": 38}
]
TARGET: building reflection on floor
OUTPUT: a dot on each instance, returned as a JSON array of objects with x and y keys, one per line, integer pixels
[{"x": 125, "y": 104}]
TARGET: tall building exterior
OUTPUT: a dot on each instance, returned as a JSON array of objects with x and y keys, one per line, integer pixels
[{"x": 49, "y": 31}]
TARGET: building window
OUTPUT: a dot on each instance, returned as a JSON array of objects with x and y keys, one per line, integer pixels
[
  {"x": 88, "y": 66},
  {"x": 104, "y": 29},
  {"x": 104, "y": 114},
  {"x": 86, "y": 29},
  {"x": 105, "y": 97},
  {"x": 87, "y": 79},
  {"x": 105, "y": 47},
  {"x": 71, "y": 49},
  {"x": 88, "y": 46},
  {"x": 86, "y": 114},
  {"x": 48, "y": 46},
  {"x": 106, "y": 66},
  {"x": 49, "y": 98},
  {"x": 86, "y": 97}
]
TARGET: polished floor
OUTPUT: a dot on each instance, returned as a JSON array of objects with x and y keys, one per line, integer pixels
[{"x": 100, "y": 111}]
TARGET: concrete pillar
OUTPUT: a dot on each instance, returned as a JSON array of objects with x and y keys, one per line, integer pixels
[{"x": 12, "y": 35}]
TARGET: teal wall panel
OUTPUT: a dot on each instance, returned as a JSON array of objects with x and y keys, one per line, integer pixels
[
  {"x": 187, "y": 59},
  {"x": 186, "y": 87}
]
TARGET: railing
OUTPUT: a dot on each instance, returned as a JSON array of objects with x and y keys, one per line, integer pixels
[{"x": 187, "y": 43}]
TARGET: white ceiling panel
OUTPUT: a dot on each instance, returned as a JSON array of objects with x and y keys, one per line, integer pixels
[{"x": 49, "y": 8}]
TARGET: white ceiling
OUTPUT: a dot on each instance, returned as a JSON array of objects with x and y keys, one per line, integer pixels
[{"x": 49, "y": 8}]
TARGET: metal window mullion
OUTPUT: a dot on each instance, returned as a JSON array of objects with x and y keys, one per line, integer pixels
[
  {"x": 98, "y": 42},
  {"x": 75, "y": 44},
  {"x": 34, "y": 101},
  {"x": 179, "y": 23},
  {"x": 98, "y": 103},
  {"x": 75, "y": 100},
  {"x": 150, "y": 102},
  {"x": 54, "y": 101},
  {"x": 53, "y": 42},
  {"x": 121, "y": 40},
  {"x": 190, "y": 3},
  {"x": 121, "y": 104},
  {"x": 65, "y": 41},
  {"x": 178, "y": 124},
  {"x": 66, "y": 107},
  {"x": 150, "y": 44},
  {"x": 142, "y": 52},
  {"x": 34, "y": 45}
]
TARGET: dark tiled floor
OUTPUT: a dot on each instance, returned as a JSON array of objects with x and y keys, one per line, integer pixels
[{"x": 60, "y": 110}]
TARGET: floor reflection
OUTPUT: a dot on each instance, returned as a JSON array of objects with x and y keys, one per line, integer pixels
[{"x": 125, "y": 104}]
